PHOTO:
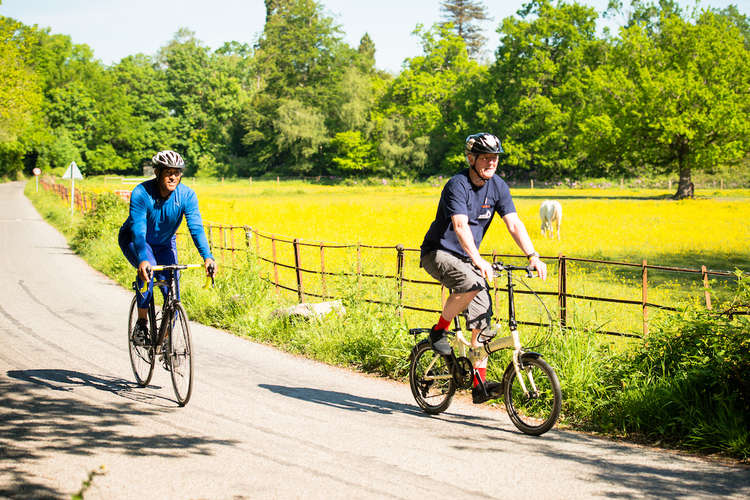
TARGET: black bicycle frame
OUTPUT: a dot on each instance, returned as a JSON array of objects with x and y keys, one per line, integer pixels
[{"x": 172, "y": 283}]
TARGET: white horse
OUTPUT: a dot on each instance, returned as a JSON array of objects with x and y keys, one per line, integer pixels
[{"x": 550, "y": 212}]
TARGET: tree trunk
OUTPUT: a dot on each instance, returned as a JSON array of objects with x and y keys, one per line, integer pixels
[{"x": 685, "y": 188}]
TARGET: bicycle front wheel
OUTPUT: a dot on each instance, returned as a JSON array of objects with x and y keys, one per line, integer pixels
[
  {"x": 142, "y": 357},
  {"x": 180, "y": 356},
  {"x": 536, "y": 410},
  {"x": 431, "y": 379}
]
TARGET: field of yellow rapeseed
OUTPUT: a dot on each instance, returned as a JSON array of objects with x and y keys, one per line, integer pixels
[{"x": 610, "y": 224}]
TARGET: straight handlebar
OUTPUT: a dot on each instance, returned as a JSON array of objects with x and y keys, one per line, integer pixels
[{"x": 500, "y": 267}]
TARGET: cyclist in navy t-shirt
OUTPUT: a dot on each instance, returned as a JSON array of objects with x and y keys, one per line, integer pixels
[
  {"x": 147, "y": 237},
  {"x": 450, "y": 251}
]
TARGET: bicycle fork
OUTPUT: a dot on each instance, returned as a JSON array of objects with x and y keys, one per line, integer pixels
[{"x": 503, "y": 343}]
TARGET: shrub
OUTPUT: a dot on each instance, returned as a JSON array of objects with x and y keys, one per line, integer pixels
[{"x": 687, "y": 382}]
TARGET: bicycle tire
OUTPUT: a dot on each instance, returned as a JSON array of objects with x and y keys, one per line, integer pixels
[
  {"x": 180, "y": 355},
  {"x": 432, "y": 395},
  {"x": 142, "y": 358},
  {"x": 538, "y": 413}
]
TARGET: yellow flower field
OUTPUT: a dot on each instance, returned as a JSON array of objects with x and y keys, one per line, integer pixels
[{"x": 609, "y": 224}]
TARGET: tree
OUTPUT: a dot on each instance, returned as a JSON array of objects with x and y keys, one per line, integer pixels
[
  {"x": 204, "y": 99},
  {"x": 421, "y": 100},
  {"x": 464, "y": 15},
  {"x": 20, "y": 92},
  {"x": 676, "y": 93},
  {"x": 299, "y": 65},
  {"x": 538, "y": 86}
]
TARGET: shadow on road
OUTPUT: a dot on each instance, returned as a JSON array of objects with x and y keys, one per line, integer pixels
[
  {"x": 350, "y": 402},
  {"x": 42, "y": 412},
  {"x": 342, "y": 400}
]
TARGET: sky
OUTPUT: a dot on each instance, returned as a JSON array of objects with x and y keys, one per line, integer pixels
[{"x": 118, "y": 28}]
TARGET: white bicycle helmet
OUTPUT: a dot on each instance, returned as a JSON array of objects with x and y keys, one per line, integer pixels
[{"x": 168, "y": 159}]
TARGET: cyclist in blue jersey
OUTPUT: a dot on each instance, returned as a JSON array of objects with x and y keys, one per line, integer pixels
[
  {"x": 147, "y": 237},
  {"x": 450, "y": 250}
]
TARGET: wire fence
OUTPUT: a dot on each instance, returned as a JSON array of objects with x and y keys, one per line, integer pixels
[{"x": 390, "y": 275}]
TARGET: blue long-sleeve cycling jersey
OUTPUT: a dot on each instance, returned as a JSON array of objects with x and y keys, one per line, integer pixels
[{"x": 155, "y": 220}]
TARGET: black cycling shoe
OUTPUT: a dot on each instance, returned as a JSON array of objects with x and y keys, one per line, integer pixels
[
  {"x": 141, "y": 333},
  {"x": 494, "y": 391},
  {"x": 439, "y": 342}
]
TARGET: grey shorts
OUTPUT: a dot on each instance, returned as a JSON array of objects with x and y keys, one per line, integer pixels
[{"x": 460, "y": 276}]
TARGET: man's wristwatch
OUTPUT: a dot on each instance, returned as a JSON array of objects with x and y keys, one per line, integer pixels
[{"x": 532, "y": 254}]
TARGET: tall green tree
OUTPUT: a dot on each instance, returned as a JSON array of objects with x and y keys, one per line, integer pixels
[
  {"x": 299, "y": 64},
  {"x": 203, "y": 98},
  {"x": 20, "y": 97},
  {"x": 538, "y": 86},
  {"x": 675, "y": 94},
  {"x": 464, "y": 16},
  {"x": 418, "y": 108}
]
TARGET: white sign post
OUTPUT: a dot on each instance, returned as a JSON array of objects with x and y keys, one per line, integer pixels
[
  {"x": 36, "y": 172},
  {"x": 72, "y": 173}
]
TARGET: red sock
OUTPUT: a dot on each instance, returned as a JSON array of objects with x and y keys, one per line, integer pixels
[
  {"x": 442, "y": 323},
  {"x": 482, "y": 375}
]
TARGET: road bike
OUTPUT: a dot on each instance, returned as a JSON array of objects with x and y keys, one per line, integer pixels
[
  {"x": 530, "y": 388},
  {"x": 168, "y": 334}
]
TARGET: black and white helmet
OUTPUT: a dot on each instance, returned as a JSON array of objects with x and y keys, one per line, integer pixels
[
  {"x": 483, "y": 143},
  {"x": 167, "y": 159}
]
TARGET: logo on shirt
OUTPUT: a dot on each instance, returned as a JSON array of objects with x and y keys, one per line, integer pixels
[{"x": 487, "y": 212}]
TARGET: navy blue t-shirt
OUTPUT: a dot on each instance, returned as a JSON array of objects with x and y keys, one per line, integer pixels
[{"x": 460, "y": 196}]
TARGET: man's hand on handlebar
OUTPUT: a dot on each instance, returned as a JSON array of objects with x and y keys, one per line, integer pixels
[
  {"x": 485, "y": 268},
  {"x": 144, "y": 271},
  {"x": 541, "y": 268},
  {"x": 210, "y": 265}
]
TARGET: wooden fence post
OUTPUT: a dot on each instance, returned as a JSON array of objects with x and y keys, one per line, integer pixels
[
  {"x": 705, "y": 287},
  {"x": 645, "y": 298},
  {"x": 323, "y": 269},
  {"x": 248, "y": 231},
  {"x": 562, "y": 289},
  {"x": 231, "y": 234},
  {"x": 273, "y": 258},
  {"x": 359, "y": 259},
  {"x": 210, "y": 239},
  {"x": 297, "y": 267},
  {"x": 400, "y": 271}
]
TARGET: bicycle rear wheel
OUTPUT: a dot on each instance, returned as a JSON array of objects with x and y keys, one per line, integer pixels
[
  {"x": 180, "y": 356},
  {"x": 536, "y": 412},
  {"x": 142, "y": 357},
  {"x": 431, "y": 379}
]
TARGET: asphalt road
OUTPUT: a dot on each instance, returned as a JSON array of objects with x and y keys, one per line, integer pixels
[{"x": 261, "y": 423}]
